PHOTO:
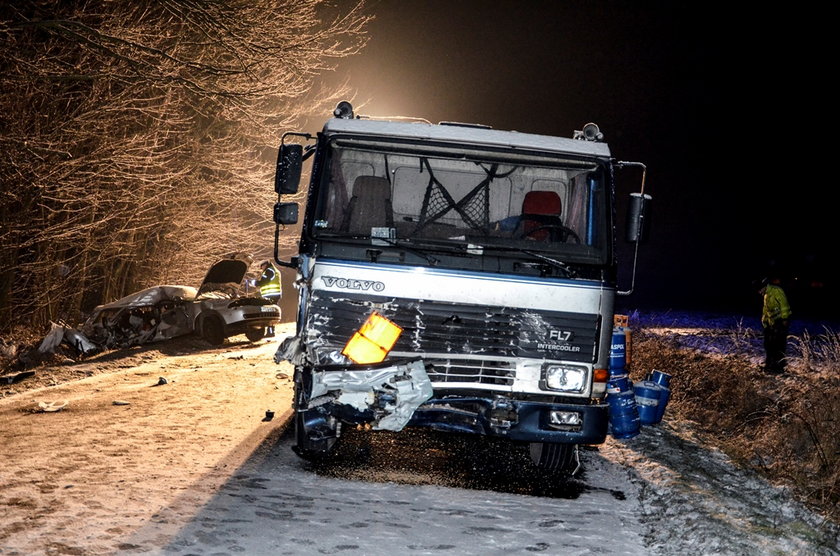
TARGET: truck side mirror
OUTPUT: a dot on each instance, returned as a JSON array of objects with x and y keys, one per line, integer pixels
[
  {"x": 637, "y": 216},
  {"x": 285, "y": 213},
  {"x": 289, "y": 163}
]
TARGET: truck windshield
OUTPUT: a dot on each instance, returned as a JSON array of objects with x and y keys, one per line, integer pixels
[{"x": 388, "y": 193}]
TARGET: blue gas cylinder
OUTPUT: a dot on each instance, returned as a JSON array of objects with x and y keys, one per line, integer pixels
[
  {"x": 664, "y": 382},
  {"x": 618, "y": 352},
  {"x": 661, "y": 378},
  {"x": 618, "y": 384},
  {"x": 624, "y": 416},
  {"x": 647, "y": 399}
]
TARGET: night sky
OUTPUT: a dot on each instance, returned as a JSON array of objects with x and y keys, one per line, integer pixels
[{"x": 725, "y": 108}]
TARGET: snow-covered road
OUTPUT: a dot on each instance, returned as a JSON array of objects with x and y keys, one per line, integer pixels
[
  {"x": 663, "y": 492},
  {"x": 192, "y": 468}
]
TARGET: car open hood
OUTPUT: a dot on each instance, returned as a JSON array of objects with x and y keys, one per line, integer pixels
[{"x": 227, "y": 271}]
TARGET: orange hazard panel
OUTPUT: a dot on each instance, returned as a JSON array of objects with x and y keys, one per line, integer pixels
[{"x": 373, "y": 341}]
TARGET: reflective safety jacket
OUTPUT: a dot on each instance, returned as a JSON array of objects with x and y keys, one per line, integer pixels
[
  {"x": 776, "y": 306},
  {"x": 269, "y": 283}
]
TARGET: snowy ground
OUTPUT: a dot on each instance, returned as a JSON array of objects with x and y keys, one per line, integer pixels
[
  {"x": 188, "y": 473},
  {"x": 695, "y": 500},
  {"x": 664, "y": 492}
]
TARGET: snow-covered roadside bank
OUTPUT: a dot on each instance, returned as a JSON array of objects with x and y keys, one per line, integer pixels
[
  {"x": 694, "y": 499},
  {"x": 126, "y": 446},
  {"x": 780, "y": 427}
]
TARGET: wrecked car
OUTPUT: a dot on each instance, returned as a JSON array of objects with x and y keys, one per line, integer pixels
[
  {"x": 150, "y": 315},
  {"x": 216, "y": 310},
  {"x": 223, "y": 310}
]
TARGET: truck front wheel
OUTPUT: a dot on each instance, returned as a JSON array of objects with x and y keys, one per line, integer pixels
[
  {"x": 314, "y": 442},
  {"x": 315, "y": 433},
  {"x": 555, "y": 457}
]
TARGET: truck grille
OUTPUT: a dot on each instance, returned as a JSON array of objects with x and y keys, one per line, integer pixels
[
  {"x": 464, "y": 342},
  {"x": 479, "y": 371}
]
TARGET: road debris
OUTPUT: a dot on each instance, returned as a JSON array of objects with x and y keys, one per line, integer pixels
[
  {"x": 52, "y": 407},
  {"x": 15, "y": 377},
  {"x": 59, "y": 333}
]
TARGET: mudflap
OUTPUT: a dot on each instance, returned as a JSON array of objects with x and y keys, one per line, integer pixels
[{"x": 551, "y": 456}]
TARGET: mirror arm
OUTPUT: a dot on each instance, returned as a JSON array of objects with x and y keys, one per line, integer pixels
[
  {"x": 308, "y": 151},
  {"x": 288, "y": 264},
  {"x": 307, "y": 136},
  {"x": 633, "y": 275},
  {"x": 622, "y": 164}
]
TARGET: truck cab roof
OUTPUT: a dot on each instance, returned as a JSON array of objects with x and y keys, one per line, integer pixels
[{"x": 471, "y": 135}]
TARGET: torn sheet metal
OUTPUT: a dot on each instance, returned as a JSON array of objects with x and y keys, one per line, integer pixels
[
  {"x": 392, "y": 393},
  {"x": 80, "y": 342},
  {"x": 52, "y": 339},
  {"x": 291, "y": 350},
  {"x": 59, "y": 333}
]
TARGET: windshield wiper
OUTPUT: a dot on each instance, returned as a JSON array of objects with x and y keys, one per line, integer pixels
[
  {"x": 554, "y": 262},
  {"x": 432, "y": 260},
  {"x": 399, "y": 244},
  {"x": 570, "y": 273}
]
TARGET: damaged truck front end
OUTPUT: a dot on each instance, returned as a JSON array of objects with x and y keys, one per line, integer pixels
[{"x": 489, "y": 253}]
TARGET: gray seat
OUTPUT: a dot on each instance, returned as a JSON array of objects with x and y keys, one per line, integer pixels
[{"x": 370, "y": 206}]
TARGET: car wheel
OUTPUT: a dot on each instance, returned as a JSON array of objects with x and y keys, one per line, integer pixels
[
  {"x": 213, "y": 331},
  {"x": 255, "y": 334}
]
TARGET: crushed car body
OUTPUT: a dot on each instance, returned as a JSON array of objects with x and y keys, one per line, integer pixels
[
  {"x": 216, "y": 310},
  {"x": 150, "y": 315}
]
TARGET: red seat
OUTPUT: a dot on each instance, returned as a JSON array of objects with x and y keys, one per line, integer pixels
[{"x": 542, "y": 205}]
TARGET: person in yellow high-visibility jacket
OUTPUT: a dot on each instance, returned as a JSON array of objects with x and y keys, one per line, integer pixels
[
  {"x": 270, "y": 287},
  {"x": 775, "y": 320}
]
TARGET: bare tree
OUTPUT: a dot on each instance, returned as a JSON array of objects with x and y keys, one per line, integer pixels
[{"x": 137, "y": 138}]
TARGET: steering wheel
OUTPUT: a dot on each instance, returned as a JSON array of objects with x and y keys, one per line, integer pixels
[{"x": 555, "y": 230}]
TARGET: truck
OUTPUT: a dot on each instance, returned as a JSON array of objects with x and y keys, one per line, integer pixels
[{"x": 487, "y": 259}]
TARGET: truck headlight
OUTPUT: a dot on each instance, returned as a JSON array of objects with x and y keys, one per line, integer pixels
[{"x": 565, "y": 378}]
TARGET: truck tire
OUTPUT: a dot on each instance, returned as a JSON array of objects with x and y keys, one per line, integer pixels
[
  {"x": 555, "y": 457},
  {"x": 213, "y": 331},
  {"x": 255, "y": 334}
]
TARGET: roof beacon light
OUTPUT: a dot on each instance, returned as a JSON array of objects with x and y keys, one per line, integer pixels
[
  {"x": 344, "y": 110},
  {"x": 373, "y": 341},
  {"x": 590, "y": 132}
]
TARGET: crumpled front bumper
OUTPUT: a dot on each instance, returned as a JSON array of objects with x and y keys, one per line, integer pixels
[
  {"x": 385, "y": 396},
  {"x": 515, "y": 419}
]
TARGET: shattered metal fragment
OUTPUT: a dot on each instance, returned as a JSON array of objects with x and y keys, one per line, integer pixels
[
  {"x": 52, "y": 407},
  {"x": 16, "y": 377},
  {"x": 391, "y": 394}
]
